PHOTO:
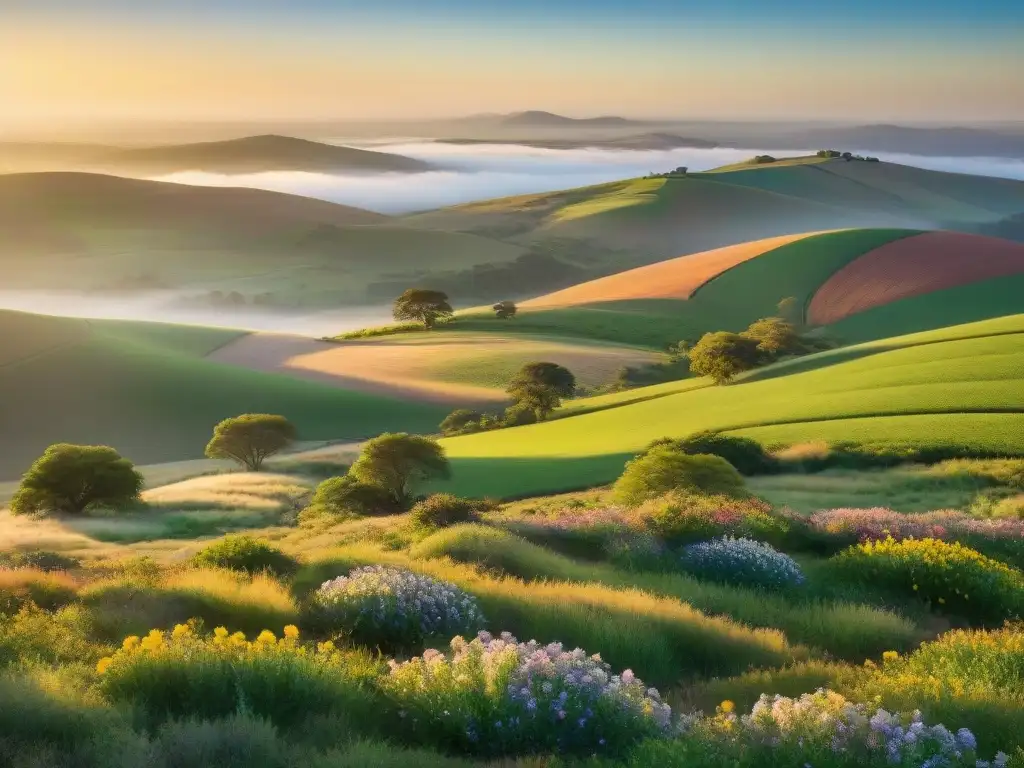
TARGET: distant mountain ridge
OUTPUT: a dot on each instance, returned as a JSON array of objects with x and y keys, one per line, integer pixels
[
  {"x": 540, "y": 119},
  {"x": 644, "y": 141}
]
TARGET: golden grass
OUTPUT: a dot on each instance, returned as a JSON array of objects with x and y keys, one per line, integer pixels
[
  {"x": 257, "y": 491},
  {"x": 261, "y": 590},
  {"x": 676, "y": 278}
]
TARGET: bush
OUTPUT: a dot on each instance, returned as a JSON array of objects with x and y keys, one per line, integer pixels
[
  {"x": 244, "y": 553},
  {"x": 457, "y": 421},
  {"x": 952, "y": 578},
  {"x": 33, "y": 635},
  {"x": 346, "y": 496},
  {"x": 71, "y": 479},
  {"x": 518, "y": 415},
  {"x": 817, "y": 729},
  {"x": 443, "y": 509},
  {"x": 393, "y": 609},
  {"x": 40, "y": 559},
  {"x": 665, "y": 469},
  {"x": 723, "y": 355},
  {"x": 684, "y": 518},
  {"x": 742, "y": 562},
  {"x": 237, "y": 741},
  {"x": 748, "y": 456},
  {"x": 499, "y": 696},
  {"x": 182, "y": 674}
]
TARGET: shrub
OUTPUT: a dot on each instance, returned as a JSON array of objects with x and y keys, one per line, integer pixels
[
  {"x": 244, "y": 553},
  {"x": 949, "y": 576},
  {"x": 518, "y": 415},
  {"x": 398, "y": 463},
  {"x": 722, "y": 355},
  {"x": 30, "y": 586},
  {"x": 34, "y": 635},
  {"x": 183, "y": 674},
  {"x": 251, "y": 438},
  {"x": 742, "y": 562},
  {"x": 346, "y": 496},
  {"x": 70, "y": 479},
  {"x": 392, "y": 608},
  {"x": 820, "y": 729},
  {"x": 665, "y": 469},
  {"x": 457, "y": 421},
  {"x": 40, "y": 559},
  {"x": 684, "y": 518},
  {"x": 443, "y": 509},
  {"x": 747, "y": 456},
  {"x": 236, "y": 741},
  {"x": 495, "y": 696}
]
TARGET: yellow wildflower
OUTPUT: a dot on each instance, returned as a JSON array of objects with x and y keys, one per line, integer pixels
[
  {"x": 238, "y": 638},
  {"x": 130, "y": 642},
  {"x": 727, "y": 706},
  {"x": 153, "y": 641},
  {"x": 180, "y": 630},
  {"x": 103, "y": 664},
  {"x": 220, "y": 632},
  {"x": 325, "y": 647},
  {"x": 267, "y": 637},
  {"x": 291, "y": 632},
  {"x": 890, "y": 656}
]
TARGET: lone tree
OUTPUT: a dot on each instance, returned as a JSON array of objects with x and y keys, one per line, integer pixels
[
  {"x": 534, "y": 396},
  {"x": 251, "y": 438},
  {"x": 552, "y": 375},
  {"x": 69, "y": 479},
  {"x": 422, "y": 305},
  {"x": 722, "y": 355},
  {"x": 774, "y": 337},
  {"x": 505, "y": 310},
  {"x": 398, "y": 463}
]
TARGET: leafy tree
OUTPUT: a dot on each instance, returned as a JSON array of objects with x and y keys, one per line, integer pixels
[
  {"x": 505, "y": 310},
  {"x": 69, "y": 479},
  {"x": 251, "y": 438},
  {"x": 774, "y": 337},
  {"x": 458, "y": 420},
  {"x": 398, "y": 462},
  {"x": 552, "y": 375},
  {"x": 346, "y": 495},
  {"x": 423, "y": 305},
  {"x": 722, "y": 355},
  {"x": 540, "y": 398},
  {"x": 666, "y": 468}
]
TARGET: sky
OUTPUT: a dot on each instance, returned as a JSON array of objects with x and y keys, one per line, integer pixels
[{"x": 852, "y": 60}]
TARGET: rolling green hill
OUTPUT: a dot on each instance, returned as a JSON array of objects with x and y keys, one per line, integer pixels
[
  {"x": 90, "y": 231},
  {"x": 962, "y": 388},
  {"x": 147, "y": 390}
]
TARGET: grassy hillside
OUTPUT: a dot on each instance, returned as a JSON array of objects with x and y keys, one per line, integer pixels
[
  {"x": 255, "y": 154},
  {"x": 72, "y": 230},
  {"x": 147, "y": 390},
  {"x": 967, "y": 391}
]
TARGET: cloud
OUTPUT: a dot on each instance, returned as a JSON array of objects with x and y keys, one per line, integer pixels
[{"x": 482, "y": 171}]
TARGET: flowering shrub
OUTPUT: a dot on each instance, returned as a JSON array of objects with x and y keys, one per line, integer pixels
[
  {"x": 496, "y": 696},
  {"x": 824, "y": 728},
  {"x": 951, "y": 577},
  {"x": 835, "y": 529},
  {"x": 183, "y": 674},
  {"x": 393, "y": 609},
  {"x": 680, "y": 518},
  {"x": 742, "y": 561}
]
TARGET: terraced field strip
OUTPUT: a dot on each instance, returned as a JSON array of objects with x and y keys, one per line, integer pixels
[{"x": 913, "y": 266}]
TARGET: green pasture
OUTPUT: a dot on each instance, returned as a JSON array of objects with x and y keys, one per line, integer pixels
[
  {"x": 146, "y": 390},
  {"x": 967, "y": 391}
]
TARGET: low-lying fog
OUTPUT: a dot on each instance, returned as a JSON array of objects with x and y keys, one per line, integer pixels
[
  {"x": 479, "y": 172},
  {"x": 166, "y": 307}
]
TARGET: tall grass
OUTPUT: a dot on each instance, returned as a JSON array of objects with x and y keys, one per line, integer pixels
[
  {"x": 846, "y": 630},
  {"x": 19, "y": 586}
]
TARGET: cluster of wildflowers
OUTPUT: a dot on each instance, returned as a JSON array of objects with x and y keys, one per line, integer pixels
[
  {"x": 880, "y": 523},
  {"x": 394, "y": 608},
  {"x": 499, "y": 696},
  {"x": 949, "y": 576},
  {"x": 184, "y": 673},
  {"x": 681, "y": 518},
  {"x": 743, "y": 562},
  {"x": 824, "y": 723}
]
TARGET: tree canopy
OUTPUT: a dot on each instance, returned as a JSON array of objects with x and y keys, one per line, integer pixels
[
  {"x": 423, "y": 306},
  {"x": 250, "y": 438},
  {"x": 69, "y": 479},
  {"x": 505, "y": 310},
  {"x": 722, "y": 355},
  {"x": 552, "y": 375},
  {"x": 774, "y": 337},
  {"x": 399, "y": 462}
]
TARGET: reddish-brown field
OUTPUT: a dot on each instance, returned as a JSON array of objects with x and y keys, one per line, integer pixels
[
  {"x": 912, "y": 266},
  {"x": 673, "y": 279}
]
